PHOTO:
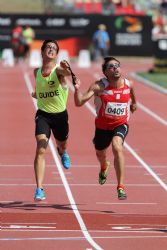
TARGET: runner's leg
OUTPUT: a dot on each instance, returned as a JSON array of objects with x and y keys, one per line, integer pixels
[
  {"x": 119, "y": 162},
  {"x": 39, "y": 162}
]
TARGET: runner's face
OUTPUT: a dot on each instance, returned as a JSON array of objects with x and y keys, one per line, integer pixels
[
  {"x": 50, "y": 50},
  {"x": 113, "y": 69}
]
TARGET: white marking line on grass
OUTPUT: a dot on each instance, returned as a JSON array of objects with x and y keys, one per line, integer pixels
[
  {"x": 64, "y": 180},
  {"x": 135, "y": 155}
]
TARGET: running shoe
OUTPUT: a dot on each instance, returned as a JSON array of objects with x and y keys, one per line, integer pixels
[
  {"x": 121, "y": 193},
  {"x": 39, "y": 194},
  {"x": 103, "y": 174},
  {"x": 65, "y": 159}
]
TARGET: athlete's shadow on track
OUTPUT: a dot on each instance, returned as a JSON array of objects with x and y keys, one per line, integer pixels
[
  {"x": 33, "y": 206},
  {"x": 20, "y": 205}
]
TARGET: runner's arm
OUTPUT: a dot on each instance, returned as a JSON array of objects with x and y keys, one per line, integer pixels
[
  {"x": 133, "y": 105},
  {"x": 33, "y": 94},
  {"x": 81, "y": 98}
]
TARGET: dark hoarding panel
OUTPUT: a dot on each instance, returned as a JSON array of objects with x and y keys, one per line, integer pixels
[{"x": 130, "y": 35}]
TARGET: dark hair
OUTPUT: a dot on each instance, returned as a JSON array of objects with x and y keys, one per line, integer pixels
[
  {"x": 49, "y": 41},
  {"x": 106, "y": 60}
]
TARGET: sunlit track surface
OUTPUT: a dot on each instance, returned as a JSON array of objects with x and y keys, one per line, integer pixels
[{"x": 137, "y": 223}]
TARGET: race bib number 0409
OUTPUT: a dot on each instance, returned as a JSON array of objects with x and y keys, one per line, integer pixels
[{"x": 116, "y": 109}]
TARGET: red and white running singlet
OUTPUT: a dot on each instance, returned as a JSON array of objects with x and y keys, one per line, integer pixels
[{"x": 112, "y": 106}]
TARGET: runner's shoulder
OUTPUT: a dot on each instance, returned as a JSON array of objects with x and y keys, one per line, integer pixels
[{"x": 35, "y": 71}]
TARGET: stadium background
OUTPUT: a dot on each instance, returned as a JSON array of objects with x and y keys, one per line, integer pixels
[{"x": 79, "y": 213}]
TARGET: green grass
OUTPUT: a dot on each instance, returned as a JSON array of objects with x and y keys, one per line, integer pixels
[
  {"x": 21, "y": 6},
  {"x": 157, "y": 78},
  {"x": 33, "y": 6}
]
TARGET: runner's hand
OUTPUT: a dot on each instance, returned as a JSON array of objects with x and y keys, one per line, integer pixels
[
  {"x": 76, "y": 82},
  {"x": 33, "y": 94},
  {"x": 67, "y": 65},
  {"x": 64, "y": 64},
  {"x": 133, "y": 107}
]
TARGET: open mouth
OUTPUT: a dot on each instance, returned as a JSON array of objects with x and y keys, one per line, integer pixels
[{"x": 50, "y": 53}]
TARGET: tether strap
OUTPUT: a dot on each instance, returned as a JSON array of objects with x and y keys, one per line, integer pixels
[{"x": 72, "y": 73}]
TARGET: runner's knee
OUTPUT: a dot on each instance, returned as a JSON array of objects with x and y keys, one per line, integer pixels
[
  {"x": 41, "y": 146},
  {"x": 117, "y": 145}
]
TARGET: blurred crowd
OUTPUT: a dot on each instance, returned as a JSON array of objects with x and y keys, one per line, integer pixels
[{"x": 157, "y": 9}]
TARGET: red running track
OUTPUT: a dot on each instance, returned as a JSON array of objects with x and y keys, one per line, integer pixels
[{"x": 78, "y": 213}]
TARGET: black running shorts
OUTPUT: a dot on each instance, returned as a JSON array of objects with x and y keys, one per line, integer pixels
[
  {"x": 103, "y": 138},
  {"x": 56, "y": 123}
]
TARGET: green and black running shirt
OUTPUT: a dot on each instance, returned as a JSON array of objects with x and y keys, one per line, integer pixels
[{"x": 51, "y": 95}]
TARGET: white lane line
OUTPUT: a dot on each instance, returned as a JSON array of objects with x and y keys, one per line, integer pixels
[
  {"x": 137, "y": 224},
  {"x": 16, "y": 165},
  {"x": 77, "y": 166},
  {"x": 32, "y": 223},
  {"x": 139, "y": 159},
  {"x": 151, "y": 113},
  {"x": 27, "y": 227},
  {"x": 92, "y": 231},
  {"x": 64, "y": 180},
  {"x": 23, "y": 165},
  {"x": 159, "y": 231},
  {"x": 131, "y": 236},
  {"x": 43, "y": 239},
  {"x": 80, "y": 184},
  {"x": 135, "y": 155},
  {"x": 149, "y": 83},
  {"x": 56, "y": 173},
  {"x": 126, "y": 203},
  {"x": 138, "y": 229},
  {"x": 83, "y": 238}
]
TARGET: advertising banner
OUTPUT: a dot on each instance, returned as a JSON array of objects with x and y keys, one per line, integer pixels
[{"x": 129, "y": 35}]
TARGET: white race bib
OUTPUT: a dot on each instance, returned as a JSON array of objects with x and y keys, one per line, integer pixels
[{"x": 116, "y": 109}]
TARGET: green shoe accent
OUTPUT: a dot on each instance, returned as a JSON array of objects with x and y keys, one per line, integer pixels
[
  {"x": 121, "y": 194},
  {"x": 103, "y": 175}
]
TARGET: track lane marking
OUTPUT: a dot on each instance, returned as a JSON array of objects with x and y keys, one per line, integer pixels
[
  {"x": 148, "y": 82},
  {"x": 82, "y": 238},
  {"x": 151, "y": 113},
  {"x": 126, "y": 203},
  {"x": 80, "y": 184},
  {"x": 63, "y": 177},
  {"x": 75, "y": 166}
]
